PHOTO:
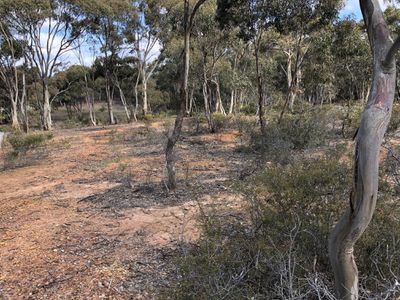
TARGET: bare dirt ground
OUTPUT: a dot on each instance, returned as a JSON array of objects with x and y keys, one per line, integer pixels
[{"x": 88, "y": 216}]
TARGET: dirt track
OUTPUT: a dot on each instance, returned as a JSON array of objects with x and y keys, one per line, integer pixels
[{"x": 88, "y": 216}]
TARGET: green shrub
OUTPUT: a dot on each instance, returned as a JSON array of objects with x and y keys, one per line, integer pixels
[
  {"x": 148, "y": 117},
  {"x": 202, "y": 118},
  {"x": 277, "y": 248},
  {"x": 249, "y": 109},
  {"x": 76, "y": 122},
  {"x": 22, "y": 142},
  {"x": 290, "y": 211},
  {"x": 279, "y": 140},
  {"x": 5, "y": 128},
  {"x": 220, "y": 121}
]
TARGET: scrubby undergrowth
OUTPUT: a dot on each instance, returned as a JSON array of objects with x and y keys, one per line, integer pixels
[{"x": 276, "y": 246}]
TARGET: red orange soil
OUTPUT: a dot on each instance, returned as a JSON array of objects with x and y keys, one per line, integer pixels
[{"x": 90, "y": 218}]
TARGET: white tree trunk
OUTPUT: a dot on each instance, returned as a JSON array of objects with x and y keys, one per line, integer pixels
[
  {"x": 14, "y": 112},
  {"x": 47, "y": 122},
  {"x": 374, "y": 121}
]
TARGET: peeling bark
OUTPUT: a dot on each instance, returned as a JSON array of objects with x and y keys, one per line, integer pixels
[{"x": 369, "y": 138}]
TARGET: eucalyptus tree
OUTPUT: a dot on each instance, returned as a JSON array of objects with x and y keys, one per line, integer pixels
[
  {"x": 89, "y": 80},
  {"x": 11, "y": 51},
  {"x": 107, "y": 22},
  {"x": 50, "y": 27},
  {"x": 374, "y": 122},
  {"x": 350, "y": 48},
  {"x": 319, "y": 69},
  {"x": 189, "y": 14},
  {"x": 392, "y": 15},
  {"x": 212, "y": 43},
  {"x": 144, "y": 36},
  {"x": 253, "y": 18},
  {"x": 69, "y": 89},
  {"x": 238, "y": 79},
  {"x": 301, "y": 18}
]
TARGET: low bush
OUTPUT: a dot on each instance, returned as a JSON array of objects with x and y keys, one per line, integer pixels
[
  {"x": 22, "y": 142},
  {"x": 76, "y": 122},
  {"x": 148, "y": 117},
  {"x": 292, "y": 133},
  {"x": 249, "y": 109},
  {"x": 220, "y": 121},
  {"x": 277, "y": 247}
]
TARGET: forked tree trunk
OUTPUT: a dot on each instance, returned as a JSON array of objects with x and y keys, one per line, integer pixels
[
  {"x": 90, "y": 102},
  {"x": 219, "y": 106},
  {"x": 123, "y": 101},
  {"x": 14, "y": 112},
  {"x": 109, "y": 94},
  {"x": 207, "y": 108},
  {"x": 206, "y": 95},
  {"x": 369, "y": 138},
  {"x": 173, "y": 138},
  {"x": 92, "y": 114}
]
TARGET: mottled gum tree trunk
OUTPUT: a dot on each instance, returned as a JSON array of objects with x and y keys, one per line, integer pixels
[
  {"x": 184, "y": 94},
  {"x": 47, "y": 122},
  {"x": 369, "y": 138}
]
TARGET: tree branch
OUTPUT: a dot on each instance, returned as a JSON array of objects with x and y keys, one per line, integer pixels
[
  {"x": 194, "y": 11},
  {"x": 390, "y": 55}
]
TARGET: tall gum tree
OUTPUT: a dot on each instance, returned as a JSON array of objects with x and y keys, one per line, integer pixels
[
  {"x": 10, "y": 53},
  {"x": 188, "y": 20},
  {"x": 107, "y": 22},
  {"x": 51, "y": 27},
  {"x": 144, "y": 37},
  {"x": 374, "y": 122}
]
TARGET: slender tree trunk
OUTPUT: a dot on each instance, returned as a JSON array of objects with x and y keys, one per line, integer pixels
[
  {"x": 123, "y": 101},
  {"x": 144, "y": 91},
  {"x": 369, "y": 138},
  {"x": 47, "y": 122},
  {"x": 92, "y": 113},
  {"x": 173, "y": 138},
  {"x": 191, "y": 102},
  {"x": 206, "y": 96},
  {"x": 232, "y": 102},
  {"x": 136, "y": 90},
  {"x": 259, "y": 85},
  {"x": 109, "y": 94},
  {"x": 219, "y": 107},
  {"x": 187, "y": 105},
  {"x": 90, "y": 102},
  {"x": 24, "y": 105},
  {"x": 295, "y": 82},
  {"x": 14, "y": 111}
]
